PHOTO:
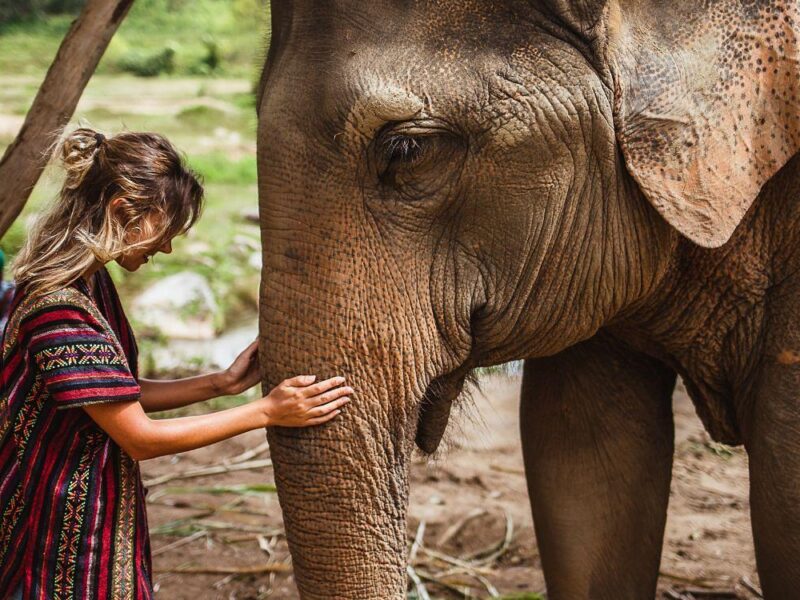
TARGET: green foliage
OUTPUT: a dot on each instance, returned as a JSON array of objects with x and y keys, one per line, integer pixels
[
  {"x": 29, "y": 47},
  {"x": 212, "y": 58},
  {"x": 148, "y": 65},
  {"x": 217, "y": 167},
  {"x": 208, "y": 37},
  {"x": 63, "y": 6},
  {"x": 17, "y": 10},
  {"x": 201, "y": 116}
]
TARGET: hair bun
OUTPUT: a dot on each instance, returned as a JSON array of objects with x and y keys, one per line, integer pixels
[{"x": 78, "y": 151}]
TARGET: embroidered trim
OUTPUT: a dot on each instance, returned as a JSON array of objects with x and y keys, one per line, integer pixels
[
  {"x": 28, "y": 414},
  {"x": 68, "y": 296},
  {"x": 70, "y": 355},
  {"x": 74, "y": 510},
  {"x": 9, "y": 519},
  {"x": 122, "y": 579}
]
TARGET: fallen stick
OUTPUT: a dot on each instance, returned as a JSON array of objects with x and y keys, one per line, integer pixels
[
  {"x": 510, "y": 470},
  {"x": 181, "y": 542},
  {"x": 170, "y": 527},
  {"x": 247, "y": 455},
  {"x": 223, "y": 525},
  {"x": 496, "y": 551},
  {"x": 465, "y": 566},
  {"x": 751, "y": 587},
  {"x": 422, "y": 593},
  {"x": 412, "y": 554},
  {"x": 713, "y": 594},
  {"x": 487, "y": 584},
  {"x": 208, "y": 470},
  {"x": 238, "y": 539},
  {"x": 242, "y": 488},
  {"x": 454, "y": 529},
  {"x": 699, "y": 582},
  {"x": 180, "y": 504},
  {"x": 461, "y": 591},
  {"x": 257, "y": 570}
]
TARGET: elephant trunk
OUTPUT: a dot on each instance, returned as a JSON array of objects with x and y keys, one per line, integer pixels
[
  {"x": 343, "y": 486},
  {"x": 343, "y": 490}
]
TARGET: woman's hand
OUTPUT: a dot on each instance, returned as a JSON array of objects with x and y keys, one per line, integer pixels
[
  {"x": 299, "y": 402},
  {"x": 242, "y": 374}
]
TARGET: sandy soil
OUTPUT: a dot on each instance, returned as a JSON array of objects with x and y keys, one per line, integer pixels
[{"x": 708, "y": 542}]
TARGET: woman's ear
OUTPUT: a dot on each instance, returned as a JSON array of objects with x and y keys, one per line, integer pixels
[
  {"x": 117, "y": 207},
  {"x": 706, "y": 104}
]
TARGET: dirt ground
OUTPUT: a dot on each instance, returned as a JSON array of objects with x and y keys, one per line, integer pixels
[{"x": 469, "y": 500}]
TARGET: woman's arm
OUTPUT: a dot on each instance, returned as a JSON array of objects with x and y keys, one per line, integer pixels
[
  {"x": 296, "y": 402},
  {"x": 166, "y": 395}
]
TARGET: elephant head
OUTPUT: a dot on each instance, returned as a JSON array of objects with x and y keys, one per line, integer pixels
[{"x": 446, "y": 185}]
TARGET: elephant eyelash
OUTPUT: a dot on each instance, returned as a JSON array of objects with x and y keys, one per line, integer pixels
[{"x": 402, "y": 148}]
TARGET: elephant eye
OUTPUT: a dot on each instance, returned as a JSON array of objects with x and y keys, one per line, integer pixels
[
  {"x": 417, "y": 159},
  {"x": 399, "y": 152}
]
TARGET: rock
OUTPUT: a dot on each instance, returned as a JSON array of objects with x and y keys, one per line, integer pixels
[
  {"x": 250, "y": 215},
  {"x": 255, "y": 261},
  {"x": 179, "y": 306},
  {"x": 181, "y": 358},
  {"x": 244, "y": 243},
  {"x": 197, "y": 247}
]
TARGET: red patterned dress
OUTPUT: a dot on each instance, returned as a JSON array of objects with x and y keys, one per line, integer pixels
[{"x": 72, "y": 512}]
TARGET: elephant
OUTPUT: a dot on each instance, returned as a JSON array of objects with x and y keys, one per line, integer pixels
[{"x": 605, "y": 189}]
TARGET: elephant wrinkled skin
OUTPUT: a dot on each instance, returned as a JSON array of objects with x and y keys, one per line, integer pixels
[{"x": 604, "y": 188}]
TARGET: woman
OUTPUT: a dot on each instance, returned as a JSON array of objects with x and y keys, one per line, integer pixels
[{"x": 73, "y": 420}]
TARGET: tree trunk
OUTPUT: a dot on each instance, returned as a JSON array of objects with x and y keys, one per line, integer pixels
[{"x": 77, "y": 58}]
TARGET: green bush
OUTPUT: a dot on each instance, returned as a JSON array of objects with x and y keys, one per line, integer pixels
[
  {"x": 15, "y": 10},
  {"x": 148, "y": 65},
  {"x": 212, "y": 57},
  {"x": 58, "y": 7}
]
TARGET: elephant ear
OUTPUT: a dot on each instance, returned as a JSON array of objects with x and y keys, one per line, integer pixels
[{"x": 706, "y": 104}]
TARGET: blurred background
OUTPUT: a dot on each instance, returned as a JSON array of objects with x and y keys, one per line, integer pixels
[{"x": 186, "y": 69}]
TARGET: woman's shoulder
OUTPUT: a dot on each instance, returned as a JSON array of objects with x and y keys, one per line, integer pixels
[
  {"x": 67, "y": 298},
  {"x": 34, "y": 310}
]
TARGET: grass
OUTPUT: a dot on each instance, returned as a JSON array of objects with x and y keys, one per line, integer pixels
[
  {"x": 218, "y": 169},
  {"x": 237, "y": 30}
]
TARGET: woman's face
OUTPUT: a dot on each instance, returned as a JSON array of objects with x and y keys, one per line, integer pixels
[
  {"x": 137, "y": 256},
  {"x": 131, "y": 261}
]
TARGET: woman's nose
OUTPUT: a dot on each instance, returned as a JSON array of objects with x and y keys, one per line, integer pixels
[{"x": 166, "y": 248}]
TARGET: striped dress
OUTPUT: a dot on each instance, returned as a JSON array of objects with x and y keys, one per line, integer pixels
[{"x": 72, "y": 512}]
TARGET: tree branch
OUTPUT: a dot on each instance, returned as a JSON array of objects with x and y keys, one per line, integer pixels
[{"x": 76, "y": 60}]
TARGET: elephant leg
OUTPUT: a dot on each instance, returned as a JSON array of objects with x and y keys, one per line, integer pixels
[
  {"x": 771, "y": 427},
  {"x": 597, "y": 438}
]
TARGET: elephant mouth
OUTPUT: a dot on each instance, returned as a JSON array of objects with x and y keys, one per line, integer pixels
[{"x": 435, "y": 407}]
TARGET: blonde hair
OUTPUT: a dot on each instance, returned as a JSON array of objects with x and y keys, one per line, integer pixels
[{"x": 146, "y": 177}]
